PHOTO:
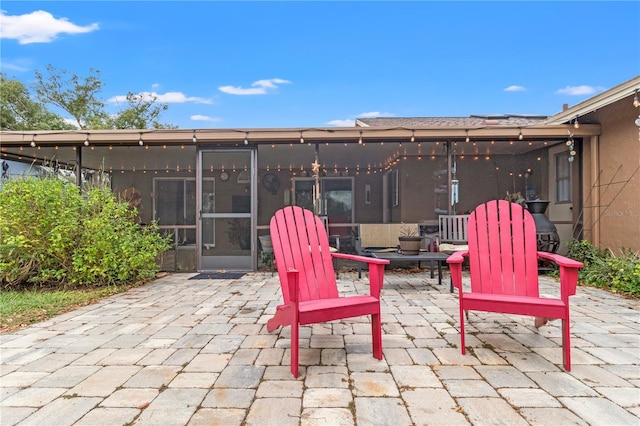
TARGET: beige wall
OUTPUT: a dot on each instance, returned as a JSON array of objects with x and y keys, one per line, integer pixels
[{"x": 616, "y": 223}]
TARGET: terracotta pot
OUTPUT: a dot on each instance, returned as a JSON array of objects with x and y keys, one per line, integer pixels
[{"x": 410, "y": 246}]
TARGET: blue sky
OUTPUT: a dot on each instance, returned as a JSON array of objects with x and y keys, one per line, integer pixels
[{"x": 317, "y": 64}]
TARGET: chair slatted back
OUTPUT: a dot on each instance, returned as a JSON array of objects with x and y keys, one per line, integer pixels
[
  {"x": 503, "y": 250},
  {"x": 300, "y": 242}
]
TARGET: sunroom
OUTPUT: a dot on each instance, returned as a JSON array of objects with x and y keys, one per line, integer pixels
[{"x": 215, "y": 190}]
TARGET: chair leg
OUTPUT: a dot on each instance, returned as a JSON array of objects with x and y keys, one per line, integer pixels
[
  {"x": 376, "y": 336},
  {"x": 463, "y": 313},
  {"x": 566, "y": 345},
  {"x": 295, "y": 345}
]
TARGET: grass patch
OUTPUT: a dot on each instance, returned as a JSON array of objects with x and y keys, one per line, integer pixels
[{"x": 22, "y": 308}]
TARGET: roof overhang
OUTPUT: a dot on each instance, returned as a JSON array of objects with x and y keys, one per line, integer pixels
[
  {"x": 329, "y": 135},
  {"x": 592, "y": 104}
]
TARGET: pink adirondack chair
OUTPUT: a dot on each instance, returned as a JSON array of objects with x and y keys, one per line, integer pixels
[
  {"x": 308, "y": 282},
  {"x": 503, "y": 263}
]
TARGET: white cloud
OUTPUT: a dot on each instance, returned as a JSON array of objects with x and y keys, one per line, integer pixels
[
  {"x": 351, "y": 122},
  {"x": 169, "y": 98},
  {"x": 38, "y": 27},
  {"x": 515, "y": 88},
  {"x": 260, "y": 87},
  {"x": 342, "y": 123},
  {"x": 16, "y": 66},
  {"x": 199, "y": 117},
  {"x": 71, "y": 121},
  {"x": 374, "y": 114},
  {"x": 578, "y": 90}
]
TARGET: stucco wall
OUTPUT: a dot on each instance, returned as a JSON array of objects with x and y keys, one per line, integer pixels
[{"x": 618, "y": 178}]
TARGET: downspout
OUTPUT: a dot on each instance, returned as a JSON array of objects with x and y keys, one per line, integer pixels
[
  {"x": 79, "y": 167},
  {"x": 449, "y": 169},
  {"x": 595, "y": 173}
]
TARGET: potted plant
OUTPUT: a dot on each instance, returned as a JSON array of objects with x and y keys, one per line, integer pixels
[
  {"x": 410, "y": 241},
  {"x": 267, "y": 251}
]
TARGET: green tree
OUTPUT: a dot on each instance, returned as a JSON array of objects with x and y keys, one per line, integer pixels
[
  {"x": 19, "y": 112},
  {"x": 79, "y": 97},
  {"x": 142, "y": 113}
]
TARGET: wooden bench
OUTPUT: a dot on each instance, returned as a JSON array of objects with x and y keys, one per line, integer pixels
[
  {"x": 452, "y": 233},
  {"x": 381, "y": 236}
]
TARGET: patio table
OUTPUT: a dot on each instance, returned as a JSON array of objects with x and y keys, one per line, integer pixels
[{"x": 423, "y": 256}]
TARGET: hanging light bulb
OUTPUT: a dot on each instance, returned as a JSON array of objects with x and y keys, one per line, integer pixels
[
  {"x": 140, "y": 142},
  {"x": 194, "y": 139},
  {"x": 520, "y": 135},
  {"x": 413, "y": 136},
  {"x": 33, "y": 141},
  {"x": 467, "y": 139},
  {"x": 301, "y": 138},
  {"x": 575, "y": 123},
  {"x": 246, "y": 138},
  {"x": 636, "y": 102},
  {"x": 86, "y": 141},
  {"x": 360, "y": 140}
]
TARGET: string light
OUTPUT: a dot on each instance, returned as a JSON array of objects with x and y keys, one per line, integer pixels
[
  {"x": 360, "y": 140},
  {"x": 636, "y": 102},
  {"x": 467, "y": 132},
  {"x": 33, "y": 141},
  {"x": 140, "y": 142},
  {"x": 520, "y": 135},
  {"x": 572, "y": 152},
  {"x": 86, "y": 141},
  {"x": 575, "y": 123},
  {"x": 194, "y": 139},
  {"x": 413, "y": 136},
  {"x": 246, "y": 138},
  {"x": 301, "y": 138}
]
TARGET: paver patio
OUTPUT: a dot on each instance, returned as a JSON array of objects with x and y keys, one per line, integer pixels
[{"x": 191, "y": 352}]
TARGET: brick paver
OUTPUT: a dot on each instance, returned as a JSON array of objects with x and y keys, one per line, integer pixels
[{"x": 192, "y": 352}]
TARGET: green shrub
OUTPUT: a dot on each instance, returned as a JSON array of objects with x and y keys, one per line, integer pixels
[
  {"x": 51, "y": 234},
  {"x": 602, "y": 268}
]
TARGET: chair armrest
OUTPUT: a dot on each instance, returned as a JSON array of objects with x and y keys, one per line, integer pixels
[
  {"x": 359, "y": 258},
  {"x": 560, "y": 260},
  {"x": 568, "y": 272},
  {"x": 455, "y": 267},
  {"x": 376, "y": 270},
  {"x": 457, "y": 257}
]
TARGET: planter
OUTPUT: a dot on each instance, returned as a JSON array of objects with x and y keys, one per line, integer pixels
[
  {"x": 265, "y": 243},
  {"x": 410, "y": 246}
]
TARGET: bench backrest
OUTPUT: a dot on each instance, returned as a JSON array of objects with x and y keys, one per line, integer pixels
[
  {"x": 383, "y": 235},
  {"x": 453, "y": 228}
]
